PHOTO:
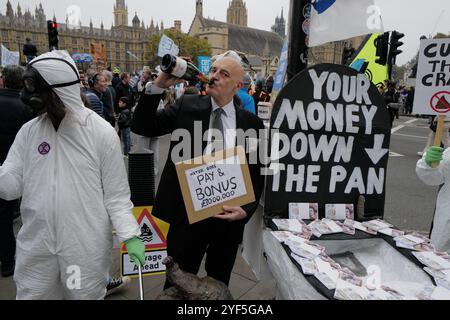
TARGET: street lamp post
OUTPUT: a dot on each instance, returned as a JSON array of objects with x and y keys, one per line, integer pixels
[{"x": 133, "y": 56}]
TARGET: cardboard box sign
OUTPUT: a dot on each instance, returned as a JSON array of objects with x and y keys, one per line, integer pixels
[
  {"x": 264, "y": 110},
  {"x": 210, "y": 182}
]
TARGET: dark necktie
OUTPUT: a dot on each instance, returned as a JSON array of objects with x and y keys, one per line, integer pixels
[{"x": 217, "y": 124}]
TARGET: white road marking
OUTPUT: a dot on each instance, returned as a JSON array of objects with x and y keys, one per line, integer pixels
[
  {"x": 394, "y": 130},
  {"x": 408, "y": 135},
  {"x": 395, "y": 155},
  {"x": 411, "y": 121}
]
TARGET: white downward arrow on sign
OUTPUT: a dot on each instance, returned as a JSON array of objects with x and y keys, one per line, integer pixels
[{"x": 377, "y": 152}]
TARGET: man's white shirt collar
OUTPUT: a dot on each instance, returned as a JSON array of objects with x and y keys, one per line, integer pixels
[
  {"x": 228, "y": 108},
  {"x": 229, "y": 124}
]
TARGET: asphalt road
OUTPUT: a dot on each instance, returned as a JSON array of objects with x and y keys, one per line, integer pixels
[{"x": 409, "y": 203}]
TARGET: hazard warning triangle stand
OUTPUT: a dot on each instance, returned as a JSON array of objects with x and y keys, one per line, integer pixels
[{"x": 153, "y": 231}]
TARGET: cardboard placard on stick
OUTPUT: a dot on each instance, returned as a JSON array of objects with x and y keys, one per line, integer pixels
[{"x": 212, "y": 181}]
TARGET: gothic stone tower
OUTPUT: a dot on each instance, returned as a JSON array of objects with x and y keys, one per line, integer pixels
[
  {"x": 280, "y": 25},
  {"x": 120, "y": 13},
  {"x": 237, "y": 13},
  {"x": 199, "y": 8}
]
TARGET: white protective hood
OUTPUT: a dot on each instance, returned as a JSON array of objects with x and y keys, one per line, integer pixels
[{"x": 55, "y": 71}]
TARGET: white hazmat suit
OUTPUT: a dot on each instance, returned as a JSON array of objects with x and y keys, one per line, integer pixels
[
  {"x": 440, "y": 236},
  {"x": 74, "y": 189}
]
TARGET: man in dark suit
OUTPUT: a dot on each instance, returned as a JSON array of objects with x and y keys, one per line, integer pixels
[{"x": 220, "y": 236}]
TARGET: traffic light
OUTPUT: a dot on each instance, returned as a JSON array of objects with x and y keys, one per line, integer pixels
[
  {"x": 53, "y": 41},
  {"x": 382, "y": 45},
  {"x": 395, "y": 45}
]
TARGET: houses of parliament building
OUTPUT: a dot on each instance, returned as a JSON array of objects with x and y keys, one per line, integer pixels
[{"x": 125, "y": 44}]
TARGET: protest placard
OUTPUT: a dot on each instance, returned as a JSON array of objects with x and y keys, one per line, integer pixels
[
  {"x": 210, "y": 182},
  {"x": 432, "y": 95},
  {"x": 167, "y": 46},
  {"x": 329, "y": 144},
  {"x": 9, "y": 57}
]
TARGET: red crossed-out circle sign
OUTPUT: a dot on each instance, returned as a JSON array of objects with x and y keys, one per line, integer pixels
[{"x": 440, "y": 102}]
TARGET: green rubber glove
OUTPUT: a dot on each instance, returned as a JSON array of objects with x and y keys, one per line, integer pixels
[
  {"x": 136, "y": 250},
  {"x": 434, "y": 154}
]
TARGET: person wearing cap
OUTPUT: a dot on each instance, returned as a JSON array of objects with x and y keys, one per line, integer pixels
[
  {"x": 247, "y": 101},
  {"x": 116, "y": 78},
  {"x": 68, "y": 167}
]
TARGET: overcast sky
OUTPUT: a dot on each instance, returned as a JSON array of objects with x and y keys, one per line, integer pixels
[{"x": 412, "y": 17}]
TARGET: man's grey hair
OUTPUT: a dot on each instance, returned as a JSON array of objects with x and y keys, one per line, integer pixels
[
  {"x": 230, "y": 54},
  {"x": 108, "y": 75},
  {"x": 12, "y": 77},
  {"x": 91, "y": 73}
]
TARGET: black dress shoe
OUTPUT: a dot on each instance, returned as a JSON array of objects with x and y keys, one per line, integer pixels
[{"x": 8, "y": 269}]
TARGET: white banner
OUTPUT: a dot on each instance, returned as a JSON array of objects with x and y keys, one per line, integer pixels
[
  {"x": 9, "y": 57},
  {"x": 333, "y": 20},
  {"x": 432, "y": 95},
  {"x": 167, "y": 46}
]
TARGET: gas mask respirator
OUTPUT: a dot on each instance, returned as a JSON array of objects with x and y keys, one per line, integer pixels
[{"x": 36, "y": 90}]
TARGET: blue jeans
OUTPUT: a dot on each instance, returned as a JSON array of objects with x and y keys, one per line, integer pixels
[{"x": 126, "y": 139}]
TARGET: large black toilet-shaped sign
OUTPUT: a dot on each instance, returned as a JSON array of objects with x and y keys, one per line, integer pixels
[{"x": 330, "y": 136}]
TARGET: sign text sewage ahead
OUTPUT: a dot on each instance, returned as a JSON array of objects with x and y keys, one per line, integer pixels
[{"x": 329, "y": 142}]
